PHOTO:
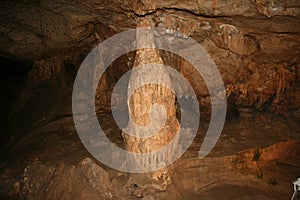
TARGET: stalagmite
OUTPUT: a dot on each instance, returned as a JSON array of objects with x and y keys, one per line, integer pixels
[{"x": 140, "y": 103}]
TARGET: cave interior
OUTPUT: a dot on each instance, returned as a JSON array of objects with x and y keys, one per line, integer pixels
[{"x": 254, "y": 46}]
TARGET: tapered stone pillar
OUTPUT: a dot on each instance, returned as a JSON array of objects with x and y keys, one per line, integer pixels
[{"x": 142, "y": 100}]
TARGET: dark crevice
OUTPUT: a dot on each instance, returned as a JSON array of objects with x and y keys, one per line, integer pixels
[
  {"x": 175, "y": 10},
  {"x": 12, "y": 77}
]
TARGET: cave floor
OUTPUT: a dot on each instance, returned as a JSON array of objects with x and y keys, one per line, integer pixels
[{"x": 256, "y": 157}]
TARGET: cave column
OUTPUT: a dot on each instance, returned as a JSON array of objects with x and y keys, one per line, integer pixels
[{"x": 141, "y": 101}]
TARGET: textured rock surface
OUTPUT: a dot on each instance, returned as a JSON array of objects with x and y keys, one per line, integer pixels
[
  {"x": 246, "y": 159},
  {"x": 254, "y": 43},
  {"x": 240, "y": 40},
  {"x": 140, "y": 103},
  {"x": 47, "y": 182}
]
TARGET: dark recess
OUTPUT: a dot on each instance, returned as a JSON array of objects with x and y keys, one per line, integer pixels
[{"x": 12, "y": 77}]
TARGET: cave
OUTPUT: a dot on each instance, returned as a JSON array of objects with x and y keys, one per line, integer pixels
[{"x": 148, "y": 99}]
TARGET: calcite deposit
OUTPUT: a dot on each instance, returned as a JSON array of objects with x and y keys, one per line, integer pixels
[
  {"x": 141, "y": 102},
  {"x": 255, "y": 45}
]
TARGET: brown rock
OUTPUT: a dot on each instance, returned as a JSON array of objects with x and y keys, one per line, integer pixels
[
  {"x": 278, "y": 7},
  {"x": 230, "y": 37}
]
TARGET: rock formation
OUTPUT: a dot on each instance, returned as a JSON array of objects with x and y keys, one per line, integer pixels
[
  {"x": 140, "y": 104},
  {"x": 255, "y": 45}
]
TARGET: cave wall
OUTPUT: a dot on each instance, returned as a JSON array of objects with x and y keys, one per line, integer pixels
[{"x": 255, "y": 45}]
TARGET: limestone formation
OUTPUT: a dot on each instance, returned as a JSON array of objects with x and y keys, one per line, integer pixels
[
  {"x": 140, "y": 103},
  {"x": 255, "y": 44}
]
